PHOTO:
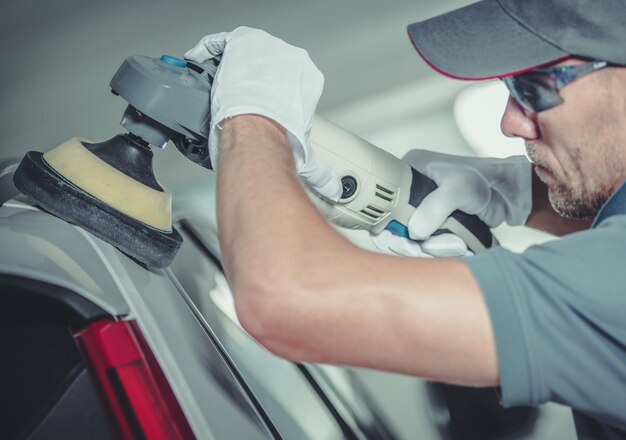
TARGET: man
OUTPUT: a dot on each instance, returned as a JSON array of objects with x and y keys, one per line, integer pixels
[{"x": 546, "y": 325}]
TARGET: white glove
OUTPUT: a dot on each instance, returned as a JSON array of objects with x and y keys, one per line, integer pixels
[
  {"x": 444, "y": 245},
  {"x": 261, "y": 74},
  {"x": 496, "y": 190}
]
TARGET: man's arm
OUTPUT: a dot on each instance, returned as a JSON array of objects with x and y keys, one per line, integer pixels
[
  {"x": 545, "y": 218},
  {"x": 306, "y": 293}
]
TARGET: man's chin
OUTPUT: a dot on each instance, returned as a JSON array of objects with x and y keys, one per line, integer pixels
[{"x": 574, "y": 208}]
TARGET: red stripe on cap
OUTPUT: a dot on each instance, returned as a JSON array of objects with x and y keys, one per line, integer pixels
[{"x": 516, "y": 72}]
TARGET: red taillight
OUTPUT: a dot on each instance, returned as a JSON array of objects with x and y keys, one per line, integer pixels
[{"x": 142, "y": 401}]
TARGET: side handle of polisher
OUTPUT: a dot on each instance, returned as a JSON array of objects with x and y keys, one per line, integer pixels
[{"x": 470, "y": 228}]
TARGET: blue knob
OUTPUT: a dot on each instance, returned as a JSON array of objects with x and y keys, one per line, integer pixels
[
  {"x": 173, "y": 60},
  {"x": 398, "y": 228}
]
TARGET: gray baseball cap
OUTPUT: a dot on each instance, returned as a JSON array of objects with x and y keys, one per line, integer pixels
[{"x": 497, "y": 38}]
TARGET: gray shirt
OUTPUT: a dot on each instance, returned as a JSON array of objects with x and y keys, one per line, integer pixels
[{"x": 558, "y": 312}]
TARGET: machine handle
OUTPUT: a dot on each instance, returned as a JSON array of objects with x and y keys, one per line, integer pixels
[{"x": 469, "y": 227}]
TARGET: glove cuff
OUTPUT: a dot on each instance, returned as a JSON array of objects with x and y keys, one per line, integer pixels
[{"x": 521, "y": 200}]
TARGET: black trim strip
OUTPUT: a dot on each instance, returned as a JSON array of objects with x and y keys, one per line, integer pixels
[
  {"x": 188, "y": 233},
  {"x": 345, "y": 428}
]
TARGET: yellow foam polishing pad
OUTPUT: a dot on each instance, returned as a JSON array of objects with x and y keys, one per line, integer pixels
[{"x": 121, "y": 192}]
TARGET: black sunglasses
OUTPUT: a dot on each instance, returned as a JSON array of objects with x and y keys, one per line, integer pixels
[{"x": 538, "y": 90}]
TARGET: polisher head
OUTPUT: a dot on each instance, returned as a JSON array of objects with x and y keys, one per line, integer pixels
[{"x": 109, "y": 190}]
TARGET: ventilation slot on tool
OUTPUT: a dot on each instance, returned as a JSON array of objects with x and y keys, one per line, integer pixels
[
  {"x": 373, "y": 212},
  {"x": 384, "y": 193}
]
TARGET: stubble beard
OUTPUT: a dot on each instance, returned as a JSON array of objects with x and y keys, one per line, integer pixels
[
  {"x": 571, "y": 201},
  {"x": 568, "y": 204}
]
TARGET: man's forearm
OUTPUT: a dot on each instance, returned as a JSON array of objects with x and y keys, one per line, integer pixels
[
  {"x": 306, "y": 293},
  {"x": 269, "y": 230},
  {"x": 545, "y": 218}
]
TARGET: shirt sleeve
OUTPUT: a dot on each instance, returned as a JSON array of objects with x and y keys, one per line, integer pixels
[{"x": 558, "y": 312}]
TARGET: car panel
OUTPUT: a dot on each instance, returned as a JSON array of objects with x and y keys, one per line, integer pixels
[{"x": 45, "y": 248}]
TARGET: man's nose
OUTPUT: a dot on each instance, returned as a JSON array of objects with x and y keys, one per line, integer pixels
[{"x": 517, "y": 122}]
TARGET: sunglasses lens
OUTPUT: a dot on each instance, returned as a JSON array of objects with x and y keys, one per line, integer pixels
[{"x": 535, "y": 91}]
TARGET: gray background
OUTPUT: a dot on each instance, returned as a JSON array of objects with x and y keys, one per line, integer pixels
[{"x": 58, "y": 56}]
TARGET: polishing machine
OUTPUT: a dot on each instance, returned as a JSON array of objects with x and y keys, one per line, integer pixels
[{"x": 109, "y": 188}]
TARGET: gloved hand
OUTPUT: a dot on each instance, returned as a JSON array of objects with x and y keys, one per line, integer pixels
[
  {"x": 261, "y": 74},
  {"x": 444, "y": 245},
  {"x": 496, "y": 190}
]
